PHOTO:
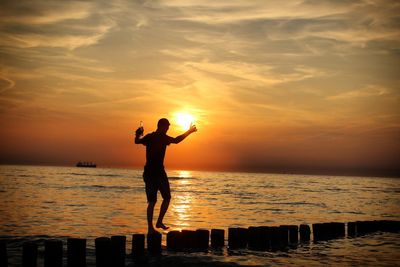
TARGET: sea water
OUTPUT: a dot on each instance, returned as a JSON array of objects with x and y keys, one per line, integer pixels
[{"x": 38, "y": 203}]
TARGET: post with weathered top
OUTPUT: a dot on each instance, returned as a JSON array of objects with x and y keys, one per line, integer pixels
[
  {"x": 174, "y": 241},
  {"x": 259, "y": 238},
  {"x": 103, "y": 251},
  {"x": 202, "y": 239},
  {"x": 293, "y": 234},
  {"x": 154, "y": 244},
  {"x": 338, "y": 229},
  {"x": 390, "y": 226},
  {"x": 188, "y": 239},
  {"x": 76, "y": 252},
  {"x": 118, "y": 250},
  {"x": 217, "y": 238},
  {"x": 138, "y": 247},
  {"x": 53, "y": 253},
  {"x": 279, "y": 237},
  {"x": 319, "y": 231},
  {"x": 305, "y": 233},
  {"x": 3, "y": 254},
  {"x": 29, "y": 254},
  {"x": 237, "y": 238}
]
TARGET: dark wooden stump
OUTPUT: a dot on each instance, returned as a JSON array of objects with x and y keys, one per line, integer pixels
[
  {"x": 202, "y": 239},
  {"x": 138, "y": 247},
  {"x": 217, "y": 238},
  {"x": 76, "y": 252},
  {"x": 29, "y": 254},
  {"x": 279, "y": 237},
  {"x": 118, "y": 250},
  {"x": 174, "y": 241},
  {"x": 53, "y": 253},
  {"x": 103, "y": 251},
  {"x": 305, "y": 233},
  {"x": 3, "y": 254},
  {"x": 154, "y": 244},
  {"x": 189, "y": 239},
  {"x": 259, "y": 238},
  {"x": 237, "y": 238}
]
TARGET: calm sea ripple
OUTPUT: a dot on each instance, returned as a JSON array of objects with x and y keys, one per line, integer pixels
[{"x": 38, "y": 203}]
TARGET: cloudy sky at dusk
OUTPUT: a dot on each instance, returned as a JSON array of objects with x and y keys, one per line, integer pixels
[{"x": 298, "y": 86}]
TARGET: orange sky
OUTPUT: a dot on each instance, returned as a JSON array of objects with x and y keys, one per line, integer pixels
[{"x": 289, "y": 86}]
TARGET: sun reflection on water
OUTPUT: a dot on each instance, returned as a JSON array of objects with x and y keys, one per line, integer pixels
[
  {"x": 184, "y": 174},
  {"x": 182, "y": 203}
]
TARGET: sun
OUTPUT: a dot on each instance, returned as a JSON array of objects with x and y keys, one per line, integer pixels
[{"x": 184, "y": 120}]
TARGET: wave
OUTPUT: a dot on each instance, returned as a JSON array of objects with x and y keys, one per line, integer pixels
[
  {"x": 91, "y": 174},
  {"x": 118, "y": 187},
  {"x": 181, "y": 178},
  {"x": 77, "y": 174}
]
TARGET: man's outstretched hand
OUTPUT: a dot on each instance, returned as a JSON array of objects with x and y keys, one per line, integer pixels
[{"x": 192, "y": 128}]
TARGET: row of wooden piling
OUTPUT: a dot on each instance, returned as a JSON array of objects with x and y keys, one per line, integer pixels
[{"x": 112, "y": 251}]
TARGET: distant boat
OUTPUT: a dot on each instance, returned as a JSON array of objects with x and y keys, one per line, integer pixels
[{"x": 86, "y": 164}]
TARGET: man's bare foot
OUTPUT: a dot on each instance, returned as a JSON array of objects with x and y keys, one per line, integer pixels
[{"x": 161, "y": 225}]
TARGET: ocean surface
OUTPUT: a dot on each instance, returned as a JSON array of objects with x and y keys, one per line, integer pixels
[{"x": 37, "y": 203}]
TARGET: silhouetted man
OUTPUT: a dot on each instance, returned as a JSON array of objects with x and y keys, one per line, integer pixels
[{"x": 154, "y": 175}]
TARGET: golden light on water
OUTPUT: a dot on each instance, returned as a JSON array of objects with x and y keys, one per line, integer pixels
[
  {"x": 184, "y": 120},
  {"x": 184, "y": 174},
  {"x": 182, "y": 204}
]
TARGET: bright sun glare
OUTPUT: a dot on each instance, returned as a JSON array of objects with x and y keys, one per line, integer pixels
[{"x": 184, "y": 120}]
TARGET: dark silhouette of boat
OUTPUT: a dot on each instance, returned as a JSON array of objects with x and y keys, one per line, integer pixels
[{"x": 86, "y": 164}]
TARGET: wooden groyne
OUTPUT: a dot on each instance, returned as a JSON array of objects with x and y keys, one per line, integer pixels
[{"x": 111, "y": 251}]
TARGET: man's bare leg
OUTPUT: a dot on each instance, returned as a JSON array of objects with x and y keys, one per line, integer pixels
[
  {"x": 163, "y": 210},
  {"x": 150, "y": 211}
]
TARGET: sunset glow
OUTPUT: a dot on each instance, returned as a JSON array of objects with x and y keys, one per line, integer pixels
[
  {"x": 184, "y": 120},
  {"x": 292, "y": 86}
]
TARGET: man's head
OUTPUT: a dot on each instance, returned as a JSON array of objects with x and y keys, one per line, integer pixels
[{"x": 163, "y": 125}]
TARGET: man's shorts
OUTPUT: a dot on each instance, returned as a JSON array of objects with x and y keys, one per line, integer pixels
[{"x": 155, "y": 180}]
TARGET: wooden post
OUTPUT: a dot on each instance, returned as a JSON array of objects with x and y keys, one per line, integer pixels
[
  {"x": 217, "y": 238},
  {"x": 188, "y": 239},
  {"x": 53, "y": 253},
  {"x": 362, "y": 227},
  {"x": 103, "y": 251},
  {"x": 279, "y": 237},
  {"x": 390, "y": 226},
  {"x": 3, "y": 254},
  {"x": 305, "y": 233},
  {"x": 154, "y": 243},
  {"x": 351, "y": 229},
  {"x": 259, "y": 238},
  {"x": 174, "y": 241},
  {"x": 76, "y": 252},
  {"x": 137, "y": 247},
  {"x": 118, "y": 250},
  {"x": 337, "y": 229},
  {"x": 202, "y": 239},
  {"x": 293, "y": 234},
  {"x": 29, "y": 254},
  {"x": 237, "y": 238},
  {"x": 319, "y": 231}
]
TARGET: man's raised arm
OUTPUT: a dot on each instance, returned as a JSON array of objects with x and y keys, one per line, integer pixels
[{"x": 180, "y": 138}]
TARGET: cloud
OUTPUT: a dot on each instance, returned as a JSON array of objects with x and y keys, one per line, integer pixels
[
  {"x": 278, "y": 66},
  {"x": 369, "y": 91},
  {"x": 5, "y": 83},
  {"x": 70, "y": 25}
]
